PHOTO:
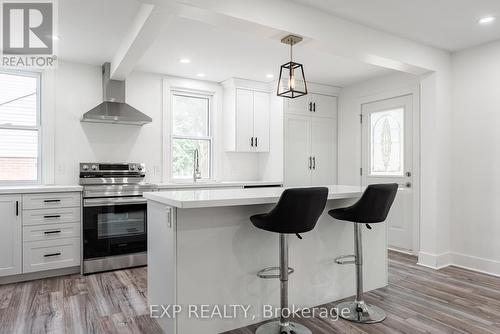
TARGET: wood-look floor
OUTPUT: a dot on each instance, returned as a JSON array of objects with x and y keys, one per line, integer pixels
[
  {"x": 417, "y": 300},
  {"x": 421, "y": 300}
]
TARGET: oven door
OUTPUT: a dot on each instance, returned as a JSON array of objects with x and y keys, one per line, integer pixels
[{"x": 114, "y": 226}]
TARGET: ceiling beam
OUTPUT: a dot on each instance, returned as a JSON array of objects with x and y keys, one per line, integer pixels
[{"x": 149, "y": 22}]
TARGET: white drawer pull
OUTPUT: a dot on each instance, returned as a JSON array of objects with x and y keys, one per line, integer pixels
[{"x": 52, "y": 254}]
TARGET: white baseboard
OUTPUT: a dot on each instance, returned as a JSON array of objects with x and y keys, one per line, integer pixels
[
  {"x": 486, "y": 266},
  {"x": 474, "y": 263},
  {"x": 434, "y": 261}
]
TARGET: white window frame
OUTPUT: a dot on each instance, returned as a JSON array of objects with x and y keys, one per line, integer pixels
[
  {"x": 37, "y": 127},
  {"x": 210, "y": 137}
]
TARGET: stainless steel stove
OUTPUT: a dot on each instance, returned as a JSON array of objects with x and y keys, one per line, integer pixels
[{"x": 114, "y": 215}]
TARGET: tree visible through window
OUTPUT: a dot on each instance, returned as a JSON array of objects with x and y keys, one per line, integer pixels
[
  {"x": 19, "y": 127},
  {"x": 190, "y": 131}
]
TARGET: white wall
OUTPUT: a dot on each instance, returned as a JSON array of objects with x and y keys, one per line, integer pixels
[
  {"x": 75, "y": 88},
  {"x": 349, "y": 129},
  {"x": 475, "y": 215}
]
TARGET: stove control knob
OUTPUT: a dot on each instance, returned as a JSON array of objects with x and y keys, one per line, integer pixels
[
  {"x": 94, "y": 167},
  {"x": 85, "y": 167},
  {"x": 132, "y": 167},
  {"x": 139, "y": 168}
]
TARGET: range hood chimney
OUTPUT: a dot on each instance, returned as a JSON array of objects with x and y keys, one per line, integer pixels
[{"x": 114, "y": 109}]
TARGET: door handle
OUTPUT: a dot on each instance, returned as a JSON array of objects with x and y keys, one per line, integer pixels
[
  {"x": 314, "y": 107},
  {"x": 408, "y": 174},
  {"x": 314, "y": 163},
  {"x": 310, "y": 106},
  {"x": 251, "y": 142},
  {"x": 52, "y": 217},
  {"x": 256, "y": 143},
  {"x": 17, "y": 208},
  {"x": 310, "y": 162}
]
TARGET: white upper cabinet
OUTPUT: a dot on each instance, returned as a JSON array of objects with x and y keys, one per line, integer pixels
[
  {"x": 244, "y": 120},
  {"x": 261, "y": 121},
  {"x": 313, "y": 104},
  {"x": 10, "y": 235},
  {"x": 246, "y": 116}
]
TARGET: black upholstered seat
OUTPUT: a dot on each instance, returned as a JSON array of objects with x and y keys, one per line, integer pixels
[
  {"x": 297, "y": 211},
  {"x": 372, "y": 207}
]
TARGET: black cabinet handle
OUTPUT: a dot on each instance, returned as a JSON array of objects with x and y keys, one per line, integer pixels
[
  {"x": 52, "y": 254},
  {"x": 314, "y": 107},
  {"x": 310, "y": 162},
  {"x": 17, "y": 208},
  {"x": 256, "y": 143},
  {"x": 310, "y": 106},
  {"x": 51, "y": 232},
  {"x": 314, "y": 162},
  {"x": 53, "y": 216},
  {"x": 251, "y": 142},
  {"x": 52, "y": 201}
]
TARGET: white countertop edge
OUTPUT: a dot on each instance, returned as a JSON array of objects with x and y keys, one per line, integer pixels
[
  {"x": 217, "y": 184},
  {"x": 168, "y": 198},
  {"x": 32, "y": 189}
]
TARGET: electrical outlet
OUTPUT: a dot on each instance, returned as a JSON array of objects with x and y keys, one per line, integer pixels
[
  {"x": 156, "y": 170},
  {"x": 61, "y": 169}
]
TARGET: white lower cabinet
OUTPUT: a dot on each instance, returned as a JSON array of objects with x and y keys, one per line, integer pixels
[
  {"x": 39, "y": 232},
  {"x": 51, "y": 254},
  {"x": 10, "y": 235}
]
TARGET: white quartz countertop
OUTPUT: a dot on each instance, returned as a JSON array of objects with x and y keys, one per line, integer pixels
[
  {"x": 38, "y": 189},
  {"x": 218, "y": 184},
  {"x": 206, "y": 198}
]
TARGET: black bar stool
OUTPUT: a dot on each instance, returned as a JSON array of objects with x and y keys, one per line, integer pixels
[
  {"x": 371, "y": 208},
  {"x": 296, "y": 212}
]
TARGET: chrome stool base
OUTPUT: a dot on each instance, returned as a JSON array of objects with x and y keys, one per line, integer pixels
[
  {"x": 275, "y": 327},
  {"x": 360, "y": 312}
]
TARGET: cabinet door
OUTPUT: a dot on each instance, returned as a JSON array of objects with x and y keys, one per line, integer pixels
[
  {"x": 297, "y": 150},
  {"x": 299, "y": 105},
  {"x": 323, "y": 105},
  {"x": 261, "y": 121},
  {"x": 10, "y": 235},
  {"x": 323, "y": 145},
  {"x": 244, "y": 120}
]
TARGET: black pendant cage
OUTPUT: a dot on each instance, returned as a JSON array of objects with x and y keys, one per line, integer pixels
[{"x": 292, "y": 82}]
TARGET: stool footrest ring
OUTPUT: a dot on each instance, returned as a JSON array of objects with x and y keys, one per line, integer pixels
[
  {"x": 346, "y": 259},
  {"x": 269, "y": 272}
]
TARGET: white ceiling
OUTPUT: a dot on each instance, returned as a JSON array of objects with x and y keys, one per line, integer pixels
[
  {"x": 446, "y": 24},
  {"x": 90, "y": 32},
  {"x": 221, "y": 54}
]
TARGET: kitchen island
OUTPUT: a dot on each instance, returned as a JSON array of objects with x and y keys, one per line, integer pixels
[{"x": 204, "y": 254}]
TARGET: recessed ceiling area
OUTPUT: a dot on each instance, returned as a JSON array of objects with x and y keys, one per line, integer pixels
[
  {"x": 214, "y": 53},
  {"x": 220, "y": 53},
  {"x": 446, "y": 24}
]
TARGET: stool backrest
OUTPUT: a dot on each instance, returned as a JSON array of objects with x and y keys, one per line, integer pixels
[
  {"x": 298, "y": 209},
  {"x": 375, "y": 203}
]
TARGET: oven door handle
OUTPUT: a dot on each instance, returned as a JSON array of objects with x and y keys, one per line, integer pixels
[{"x": 92, "y": 202}]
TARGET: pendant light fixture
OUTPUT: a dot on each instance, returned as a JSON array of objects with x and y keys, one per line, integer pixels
[{"x": 292, "y": 82}]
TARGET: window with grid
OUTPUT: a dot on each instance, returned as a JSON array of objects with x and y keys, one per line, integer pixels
[
  {"x": 19, "y": 127},
  {"x": 191, "y": 130}
]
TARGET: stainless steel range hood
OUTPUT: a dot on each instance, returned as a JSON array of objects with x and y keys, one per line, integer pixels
[{"x": 114, "y": 109}]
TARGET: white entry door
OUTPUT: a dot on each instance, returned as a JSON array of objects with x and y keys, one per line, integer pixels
[{"x": 387, "y": 158}]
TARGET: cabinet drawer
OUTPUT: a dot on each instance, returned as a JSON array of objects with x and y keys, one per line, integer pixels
[
  {"x": 51, "y": 254},
  {"x": 51, "y": 216},
  {"x": 51, "y": 232},
  {"x": 53, "y": 200}
]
